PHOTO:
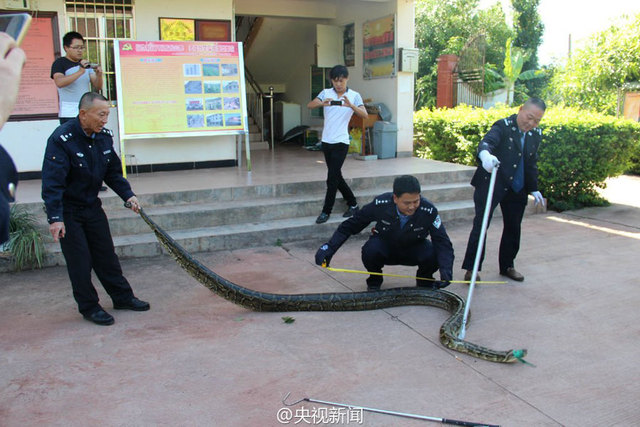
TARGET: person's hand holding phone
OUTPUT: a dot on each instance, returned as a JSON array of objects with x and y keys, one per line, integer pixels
[{"x": 12, "y": 59}]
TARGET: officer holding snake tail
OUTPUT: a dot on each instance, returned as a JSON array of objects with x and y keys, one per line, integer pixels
[
  {"x": 78, "y": 158},
  {"x": 404, "y": 222}
]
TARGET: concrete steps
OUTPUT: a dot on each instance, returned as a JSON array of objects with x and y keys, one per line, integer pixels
[{"x": 258, "y": 215}]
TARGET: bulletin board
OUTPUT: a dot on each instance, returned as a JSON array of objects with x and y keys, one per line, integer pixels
[
  {"x": 37, "y": 95},
  {"x": 178, "y": 88}
]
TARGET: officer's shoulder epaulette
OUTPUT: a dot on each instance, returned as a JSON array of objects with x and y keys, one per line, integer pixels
[
  {"x": 107, "y": 131},
  {"x": 426, "y": 206},
  {"x": 64, "y": 137},
  {"x": 383, "y": 199},
  {"x": 510, "y": 122}
]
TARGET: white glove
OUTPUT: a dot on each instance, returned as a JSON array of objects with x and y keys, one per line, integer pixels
[
  {"x": 538, "y": 198},
  {"x": 489, "y": 161}
]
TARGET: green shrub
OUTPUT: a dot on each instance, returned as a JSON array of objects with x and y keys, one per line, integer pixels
[
  {"x": 25, "y": 241},
  {"x": 579, "y": 149}
]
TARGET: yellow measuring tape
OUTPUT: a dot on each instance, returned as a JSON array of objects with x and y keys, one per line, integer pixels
[{"x": 344, "y": 270}]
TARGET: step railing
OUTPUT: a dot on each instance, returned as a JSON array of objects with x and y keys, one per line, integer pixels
[{"x": 255, "y": 97}]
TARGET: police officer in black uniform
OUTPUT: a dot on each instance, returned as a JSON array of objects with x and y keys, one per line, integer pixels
[
  {"x": 513, "y": 144},
  {"x": 78, "y": 158},
  {"x": 404, "y": 221}
]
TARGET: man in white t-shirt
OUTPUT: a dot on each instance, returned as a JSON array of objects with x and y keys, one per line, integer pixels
[
  {"x": 339, "y": 104},
  {"x": 73, "y": 75}
]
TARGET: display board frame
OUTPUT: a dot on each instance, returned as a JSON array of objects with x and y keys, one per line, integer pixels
[{"x": 128, "y": 54}]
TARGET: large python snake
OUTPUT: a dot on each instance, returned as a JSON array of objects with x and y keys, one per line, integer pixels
[{"x": 336, "y": 301}]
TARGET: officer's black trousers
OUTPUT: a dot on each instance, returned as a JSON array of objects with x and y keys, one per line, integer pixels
[
  {"x": 86, "y": 245},
  {"x": 376, "y": 253},
  {"x": 334, "y": 156},
  {"x": 512, "y": 206}
]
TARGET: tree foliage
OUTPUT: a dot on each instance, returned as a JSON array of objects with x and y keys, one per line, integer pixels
[
  {"x": 592, "y": 77},
  {"x": 443, "y": 27},
  {"x": 529, "y": 29},
  {"x": 514, "y": 59}
]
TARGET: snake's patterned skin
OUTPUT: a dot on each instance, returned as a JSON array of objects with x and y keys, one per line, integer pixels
[{"x": 336, "y": 301}]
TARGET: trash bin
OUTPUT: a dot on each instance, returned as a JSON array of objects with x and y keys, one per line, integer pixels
[{"x": 385, "y": 136}]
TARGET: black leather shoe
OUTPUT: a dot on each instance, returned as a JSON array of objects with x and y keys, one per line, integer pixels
[
  {"x": 132, "y": 304},
  {"x": 323, "y": 217},
  {"x": 351, "y": 211},
  {"x": 467, "y": 276},
  {"x": 425, "y": 283},
  {"x": 100, "y": 317},
  {"x": 512, "y": 274}
]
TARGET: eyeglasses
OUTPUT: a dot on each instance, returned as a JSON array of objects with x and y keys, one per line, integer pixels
[{"x": 77, "y": 47}]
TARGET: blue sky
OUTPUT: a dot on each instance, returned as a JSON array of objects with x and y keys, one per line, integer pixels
[{"x": 578, "y": 18}]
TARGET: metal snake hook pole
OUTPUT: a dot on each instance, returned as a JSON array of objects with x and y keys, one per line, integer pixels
[
  {"x": 476, "y": 263},
  {"x": 383, "y": 411}
]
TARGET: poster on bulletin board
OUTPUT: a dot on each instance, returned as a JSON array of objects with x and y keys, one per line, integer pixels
[
  {"x": 178, "y": 88},
  {"x": 37, "y": 95},
  {"x": 379, "y": 48}
]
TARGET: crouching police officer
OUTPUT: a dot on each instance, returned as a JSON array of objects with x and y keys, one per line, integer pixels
[
  {"x": 78, "y": 158},
  {"x": 404, "y": 220}
]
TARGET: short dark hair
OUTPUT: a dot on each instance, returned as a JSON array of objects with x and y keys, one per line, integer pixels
[
  {"x": 71, "y": 36},
  {"x": 406, "y": 184},
  {"x": 338, "y": 71},
  {"x": 536, "y": 102},
  {"x": 86, "y": 100}
]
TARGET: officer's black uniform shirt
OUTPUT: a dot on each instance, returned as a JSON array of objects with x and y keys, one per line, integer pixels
[
  {"x": 503, "y": 141},
  {"x": 423, "y": 223},
  {"x": 74, "y": 167}
]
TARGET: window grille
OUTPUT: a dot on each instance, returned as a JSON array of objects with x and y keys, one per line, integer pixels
[{"x": 101, "y": 22}]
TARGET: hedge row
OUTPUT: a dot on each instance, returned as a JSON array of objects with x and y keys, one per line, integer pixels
[{"x": 579, "y": 149}]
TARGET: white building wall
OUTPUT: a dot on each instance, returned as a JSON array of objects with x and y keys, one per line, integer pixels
[{"x": 26, "y": 141}]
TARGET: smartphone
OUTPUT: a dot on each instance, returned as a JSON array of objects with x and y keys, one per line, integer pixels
[
  {"x": 16, "y": 25},
  {"x": 336, "y": 102}
]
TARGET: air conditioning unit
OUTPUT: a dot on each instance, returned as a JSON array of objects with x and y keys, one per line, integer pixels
[{"x": 15, "y": 4}]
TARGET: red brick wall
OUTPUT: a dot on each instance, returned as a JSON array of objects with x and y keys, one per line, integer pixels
[{"x": 446, "y": 65}]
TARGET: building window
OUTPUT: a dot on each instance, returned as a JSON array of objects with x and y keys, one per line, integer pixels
[{"x": 101, "y": 22}]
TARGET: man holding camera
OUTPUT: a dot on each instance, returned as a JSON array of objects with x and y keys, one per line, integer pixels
[{"x": 73, "y": 76}]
